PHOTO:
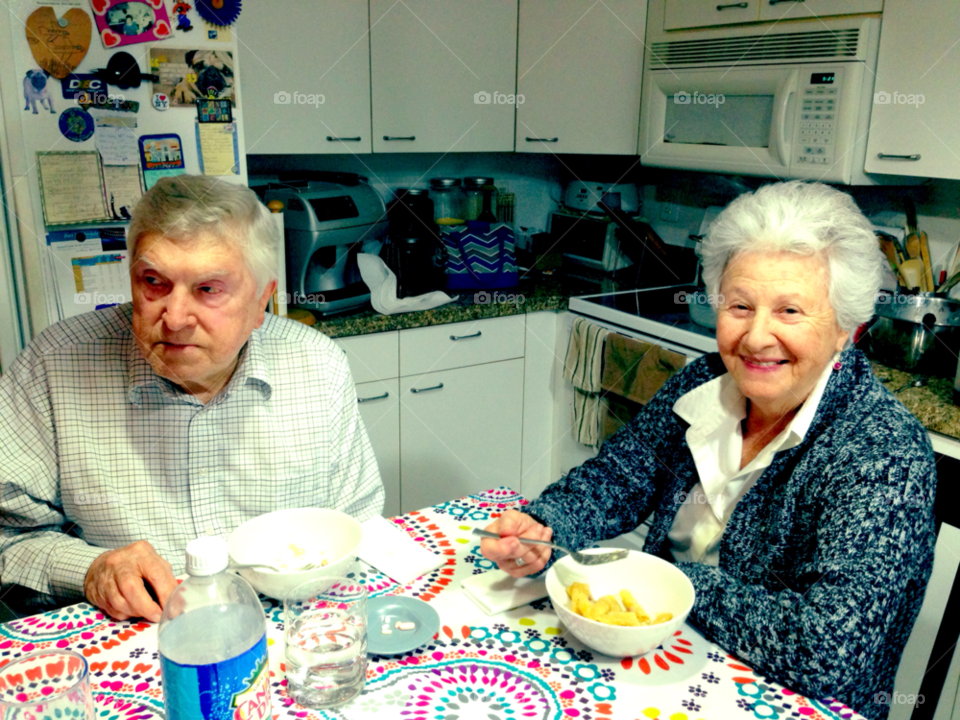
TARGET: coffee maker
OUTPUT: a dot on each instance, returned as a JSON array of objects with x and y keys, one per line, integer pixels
[{"x": 325, "y": 226}]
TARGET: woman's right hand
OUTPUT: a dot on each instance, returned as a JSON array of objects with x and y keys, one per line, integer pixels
[{"x": 510, "y": 555}]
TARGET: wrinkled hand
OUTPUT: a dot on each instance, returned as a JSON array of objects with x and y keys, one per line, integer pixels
[
  {"x": 505, "y": 551},
  {"x": 115, "y": 582}
]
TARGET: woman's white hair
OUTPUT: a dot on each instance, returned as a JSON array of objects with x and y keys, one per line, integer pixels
[
  {"x": 184, "y": 206},
  {"x": 807, "y": 219}
]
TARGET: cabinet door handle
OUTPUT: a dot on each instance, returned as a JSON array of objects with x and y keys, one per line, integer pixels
[
  {"x": 549, "y": 140},
  {"x": 777, "y": 2},
  {"x": 909, "y": 158},
  {"x": 420, "y": 390},
  {"x": 371, "y": 399},
  {"x": 398, "y": 137},
  {"x": 464, "y": 337},
  {"x": 331, "y": 138},
  {"x": 721, "y": 8}
]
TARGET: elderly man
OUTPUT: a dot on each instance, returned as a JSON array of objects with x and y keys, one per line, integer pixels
[{"x": 126, "y": 432}]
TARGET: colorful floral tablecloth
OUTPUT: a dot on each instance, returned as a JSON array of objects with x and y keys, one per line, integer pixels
[{"x": 520, "y": 664}]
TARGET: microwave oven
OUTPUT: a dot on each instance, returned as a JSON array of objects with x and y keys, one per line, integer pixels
[
  {"x": 787, "y": 100},
  {"x": 588, "y": 241}
]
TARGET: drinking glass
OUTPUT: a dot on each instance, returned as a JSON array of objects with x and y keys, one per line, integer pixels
[
  {"x": 325, "y": 632},
  {"x": 46, "y": 685}
]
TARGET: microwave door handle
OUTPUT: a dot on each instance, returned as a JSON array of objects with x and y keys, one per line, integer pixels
[{"x": 780, "y": 117}]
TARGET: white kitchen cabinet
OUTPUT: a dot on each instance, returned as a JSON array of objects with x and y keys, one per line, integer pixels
[
  {"x": 579, "y": 70},
  {"x": 444, "y": 347},
  {"x": 442, "y": 73},
  {"x": 460, "y": 432},
  {"x": 681, "y": 14},
  {"x": 379, "y": 403},
  {"x": 799, "y": 9},
  {"x": 913, "y": 125},
  {"x": 304, "y": 76}
]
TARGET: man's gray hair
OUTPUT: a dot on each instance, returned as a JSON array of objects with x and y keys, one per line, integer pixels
[
  {"x": 181, "y": 207},
  {"x": 807, "y": 219}
]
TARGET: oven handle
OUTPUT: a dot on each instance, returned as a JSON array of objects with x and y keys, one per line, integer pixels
[{"x": 786, "y": 91}]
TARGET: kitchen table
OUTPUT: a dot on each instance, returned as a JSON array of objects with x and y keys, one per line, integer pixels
[{"x": 519, "y": 664}]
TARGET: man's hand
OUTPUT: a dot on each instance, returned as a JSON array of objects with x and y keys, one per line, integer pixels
[
  {"x": 508, "y": 552},
  {"x": 115, "y": 582}
]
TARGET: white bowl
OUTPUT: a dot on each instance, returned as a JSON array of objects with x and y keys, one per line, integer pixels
[
  {"x": 323, "y": 534},
  {"x": 656, "y": 584}
]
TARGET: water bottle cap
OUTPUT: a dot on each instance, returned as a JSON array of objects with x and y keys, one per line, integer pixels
[{"x": 207, "y": 556}]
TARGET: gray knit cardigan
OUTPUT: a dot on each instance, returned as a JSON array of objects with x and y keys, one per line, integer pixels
[{"x": 824, "y": 562}]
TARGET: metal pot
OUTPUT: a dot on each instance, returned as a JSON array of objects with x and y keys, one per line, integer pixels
[{"x": 916, "y": 333}]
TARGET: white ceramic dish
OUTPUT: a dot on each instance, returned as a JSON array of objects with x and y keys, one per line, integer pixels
[
  {"x": 656, "y": 584},
  {"x": 322, "y": 535}
]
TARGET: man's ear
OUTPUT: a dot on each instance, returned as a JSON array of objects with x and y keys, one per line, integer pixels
[{"x": 265, "y": 298}]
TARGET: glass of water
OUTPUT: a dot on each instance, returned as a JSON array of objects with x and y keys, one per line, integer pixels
[
  {"x": 46, "y": 685},
  {"x": 325, "y": 632}
]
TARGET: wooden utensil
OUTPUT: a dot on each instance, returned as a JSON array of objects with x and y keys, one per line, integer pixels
[
  {"x": 912, "y": 241},
  {"x": 912, "y": 272},
  {"x": 925, "y": 256},
  {"x": 912, "y": 244}
]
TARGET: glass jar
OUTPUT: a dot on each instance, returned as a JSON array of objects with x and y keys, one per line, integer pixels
[
  {"x": 448, "y": 201},
  {"x": 489, "y": 211},
  {"x": 411, "y": 214},
  {"x": 473, "y": 195}
]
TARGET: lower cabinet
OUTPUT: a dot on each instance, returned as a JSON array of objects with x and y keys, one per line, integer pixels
[
  {"x": 379, "y": 403},
  {"x": 444, "y": 407},
  {"x": 460, "y": 432}
]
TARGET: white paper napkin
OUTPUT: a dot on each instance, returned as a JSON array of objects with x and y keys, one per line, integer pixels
[
  {"x": 495, "y": 591},
  {"x": 394, "y": 553},
  {"x": 383, "y": 289}
]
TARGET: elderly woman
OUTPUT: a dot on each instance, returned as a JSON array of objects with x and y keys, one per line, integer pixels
[{"x": 786, "y": 482}]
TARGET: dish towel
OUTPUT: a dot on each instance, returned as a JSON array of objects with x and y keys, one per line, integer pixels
[
  {"x": 383, "y": 289},
  {"x": 633, "y": 372},
  {"x": 394, "y": 553},
  {"x": 583, "y": 367},
  {"x": 495, "y": 591}
]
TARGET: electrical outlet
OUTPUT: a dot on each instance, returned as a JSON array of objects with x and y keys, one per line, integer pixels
[{"x": 670, "y": 212}]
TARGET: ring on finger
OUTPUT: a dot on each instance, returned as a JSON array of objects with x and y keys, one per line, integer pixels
[{"x": 520, "y": 562}]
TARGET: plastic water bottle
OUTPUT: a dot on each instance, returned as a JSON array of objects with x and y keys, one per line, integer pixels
[{"x": 213, "y": 642}]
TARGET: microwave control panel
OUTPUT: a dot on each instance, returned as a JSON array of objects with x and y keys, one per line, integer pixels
[{"x": 819, "y": 107}]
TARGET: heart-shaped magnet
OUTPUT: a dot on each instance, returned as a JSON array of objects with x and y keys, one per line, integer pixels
[{"x": 58, "y": 44}]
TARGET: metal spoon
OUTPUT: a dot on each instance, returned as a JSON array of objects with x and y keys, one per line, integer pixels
[
  {"x": 915, "y": 383},
  {"x": 579, "y": 557}
]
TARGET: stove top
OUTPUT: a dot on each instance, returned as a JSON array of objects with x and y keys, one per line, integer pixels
[{"x": 660, "y": 313}]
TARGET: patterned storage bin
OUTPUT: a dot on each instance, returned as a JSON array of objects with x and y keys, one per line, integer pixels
[{"x": 480, "y": 256}]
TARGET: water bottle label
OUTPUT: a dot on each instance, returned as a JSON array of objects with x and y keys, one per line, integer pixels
[{"x": 234, "y": 689}]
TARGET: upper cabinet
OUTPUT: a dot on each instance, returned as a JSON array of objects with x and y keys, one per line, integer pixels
[
  {"x": 579, "y": 72},
  {"x": 305, "y": 76},
  {"x": 914, "y": 126},
  {"x": 443, "y": 74},
  {"x": 681, "y": 14}
]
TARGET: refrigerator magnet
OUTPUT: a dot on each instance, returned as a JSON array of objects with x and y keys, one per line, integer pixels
[
  {"x": 186, "y": 76},
  {"x": 161, "y": 101},
  {"x": 120, "y": 22},
  {"x": 210, "y": 110},
  {"x": 58, "y": 44},
  {"x": 76, "y": 124},
  {"x": 160, "y": 156},
  {"x": 36, "y": 90}
]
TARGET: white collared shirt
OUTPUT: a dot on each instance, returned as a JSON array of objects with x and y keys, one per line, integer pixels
[{"x": 715, "y": 412}]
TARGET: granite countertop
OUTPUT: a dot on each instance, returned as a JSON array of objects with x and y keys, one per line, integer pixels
[
  {"x": 931, "y": 403},
  {"x": 533, "y": 294}
]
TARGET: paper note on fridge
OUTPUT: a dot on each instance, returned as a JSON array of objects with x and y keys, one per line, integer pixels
[{"x": 117, "y": 139}]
